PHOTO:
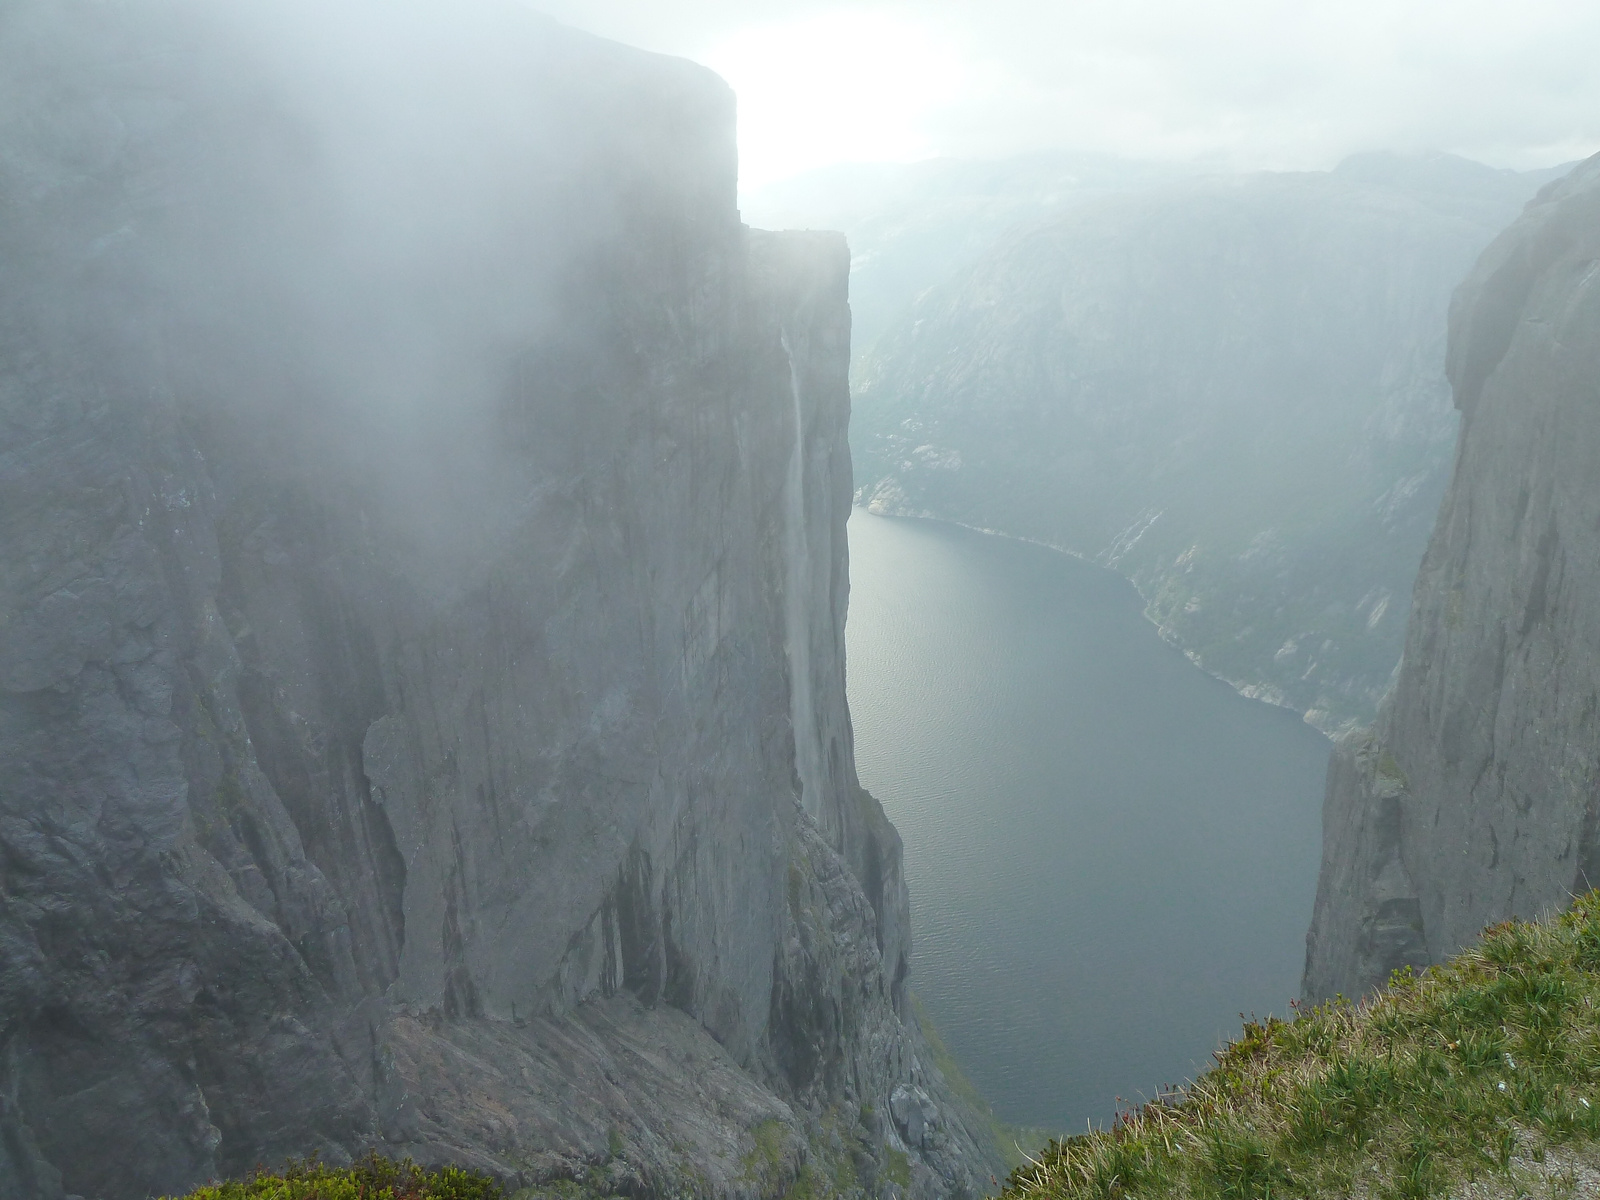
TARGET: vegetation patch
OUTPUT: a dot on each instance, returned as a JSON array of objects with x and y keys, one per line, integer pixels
[
  {"x": 765, "y": 1167},
  {"x": 372, "y": 1178},
  {"x": 829, "y": 1166},
  {"x": 1389, "y": 769},
  {"x": 1476, "y": 1076},
  {"x": 898, "y": 1168}
]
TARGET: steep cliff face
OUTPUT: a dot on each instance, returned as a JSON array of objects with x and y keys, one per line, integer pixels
[
  {"x": 1476, "y": 796},
  {"x": 1228, "y": 390},
  {"x": 422, "y": 715}
]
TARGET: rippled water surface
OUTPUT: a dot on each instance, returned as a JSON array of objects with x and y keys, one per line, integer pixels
[{"x": 1111, "y": 855}]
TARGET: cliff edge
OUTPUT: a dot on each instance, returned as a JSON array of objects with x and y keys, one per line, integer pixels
[
  {"x": 422, "y": 713},
  {"x": 1476, "y": 796}
]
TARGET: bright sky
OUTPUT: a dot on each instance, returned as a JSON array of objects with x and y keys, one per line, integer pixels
[{"x": 1247, "y": 83}]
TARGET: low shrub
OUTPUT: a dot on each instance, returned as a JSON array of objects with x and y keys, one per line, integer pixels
[{"x": 370, "y": 1178}]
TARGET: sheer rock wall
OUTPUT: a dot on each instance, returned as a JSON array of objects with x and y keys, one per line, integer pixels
[
  {"x": 422, "y": 716},
  {"x": 1476, "y": 796}
]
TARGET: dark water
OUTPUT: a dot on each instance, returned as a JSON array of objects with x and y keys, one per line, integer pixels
[{"x": 1111, "y": 855}]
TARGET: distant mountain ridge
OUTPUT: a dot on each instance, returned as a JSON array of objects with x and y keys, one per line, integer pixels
[
  {"x": 1230, "y": 389},
  {"x": 912, "y": 225}
]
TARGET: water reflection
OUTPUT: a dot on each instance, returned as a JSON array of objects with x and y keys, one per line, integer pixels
[{"x": 1111, "y": 855}]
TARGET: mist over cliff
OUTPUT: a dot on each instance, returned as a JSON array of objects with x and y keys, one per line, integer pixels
[
  {"x": 1474, "y": 797},
  {"x": 912, "y": 226},
  {"x": 1228, "y": 389},
  {"x": 422, "y": 586}
]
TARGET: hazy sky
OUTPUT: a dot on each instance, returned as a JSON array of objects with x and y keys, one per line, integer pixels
[{"x": 1271, "y": 83}]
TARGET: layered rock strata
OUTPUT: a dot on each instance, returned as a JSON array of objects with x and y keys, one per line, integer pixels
[
  {"x": 422, "y": 715},
  {"x": 1476, "y": 796}
]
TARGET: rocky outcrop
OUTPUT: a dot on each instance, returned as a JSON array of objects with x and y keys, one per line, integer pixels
[
  {"x": 1229, "y": 390},
  {"x": 1476, "y": 796},
  {"x": 422, "y": 717}
]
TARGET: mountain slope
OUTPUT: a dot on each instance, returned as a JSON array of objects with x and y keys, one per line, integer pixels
[
  {"x": 912, "y": 225},
  {"x": 1229, "y": 390}
]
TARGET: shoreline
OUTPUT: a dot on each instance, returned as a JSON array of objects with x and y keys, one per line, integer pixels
[{"x": 1250, "y": 691}]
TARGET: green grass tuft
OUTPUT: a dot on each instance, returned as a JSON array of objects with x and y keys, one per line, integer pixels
[
  {"x": 371, "y": 1178},
  {"x": 1485, "y": 1069}
]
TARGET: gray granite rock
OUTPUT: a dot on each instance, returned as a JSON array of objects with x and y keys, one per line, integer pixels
[
  {"x": 1476, "y": 796},
  {"x": 422, "y": 717}
]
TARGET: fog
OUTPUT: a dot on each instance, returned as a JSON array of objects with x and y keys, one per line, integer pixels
[
  {"x": 363, "y": 231},
  {"x": 1251, "y": 83},
  {"x": 396, "y": 425},
  {"x": 423, "y": 532}
]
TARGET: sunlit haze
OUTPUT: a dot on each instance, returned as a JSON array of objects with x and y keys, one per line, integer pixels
[
  {"x": 1247, "y": 83},
  {"x": 841, "y": 86}
]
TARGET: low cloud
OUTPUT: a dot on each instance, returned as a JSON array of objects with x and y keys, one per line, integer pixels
[{"x": 1247, "y": 83}]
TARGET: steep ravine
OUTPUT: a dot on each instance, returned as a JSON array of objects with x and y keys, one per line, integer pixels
[
  {"x": 1476, "y": 796},
  {"x": 422, "y": 714}
]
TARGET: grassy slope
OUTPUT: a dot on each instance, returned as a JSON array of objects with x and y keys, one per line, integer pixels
[{"x": 1480, "y": 1077}]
